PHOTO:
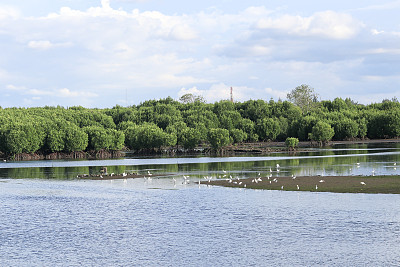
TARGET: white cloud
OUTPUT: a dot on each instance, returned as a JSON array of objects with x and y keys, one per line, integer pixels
[
  {"x": 45, "y": 44},
  {"x": 40, "y": 44},
  {"x": 327, "y": 24},
  {"x": 8, "y": 12},
  {"x": 262, "y": 52},
  {"x": 65, "y": 92}
]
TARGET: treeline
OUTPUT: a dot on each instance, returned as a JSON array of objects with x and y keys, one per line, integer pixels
[{"x": 167, "y": 123}]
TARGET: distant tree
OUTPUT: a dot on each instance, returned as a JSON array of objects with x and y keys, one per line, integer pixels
[
  {"x": 291, "y": 142},
  {"x": 268, "y": 129},
  {"x": 75, "y": 139},
  {"x": 218, "y": 138},
  {"x": 322, "y": 132},
  {"x": 190, "y": 137},
  {"x": 191, "y": 98},
  {"x": 238, "y": 135},
  {"x": 304, "y": 97}
]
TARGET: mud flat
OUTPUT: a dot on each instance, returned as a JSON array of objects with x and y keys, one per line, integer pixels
[{"x": 386, "y": 184}]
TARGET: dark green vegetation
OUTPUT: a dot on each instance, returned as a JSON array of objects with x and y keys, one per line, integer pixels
[
  {"x": 336, "y": 184},
  {"x": 157, "y": 124}
]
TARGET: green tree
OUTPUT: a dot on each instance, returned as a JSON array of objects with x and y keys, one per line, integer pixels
[
  {"x": 218, "y": 138},
  {"x": 190, "y": 138},
  {"x": 268, "y": 129},
  {"x": 304, "y": 97},
  {"x": 322, "y": 132},
  {"x": 75, "y": 139},
  {"x": 291, "y": 142},
  {"x": 238, "y": 135}
]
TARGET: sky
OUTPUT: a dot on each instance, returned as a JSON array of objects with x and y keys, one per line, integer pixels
[{"x": 102, "y": 53}]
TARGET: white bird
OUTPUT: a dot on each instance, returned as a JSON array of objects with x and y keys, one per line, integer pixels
[
  {"x": 124, "y": 174},
  {"x": 148, "y": 172},
  {"x": 259, "y": 179},
  {"x": 101, "y": 176},
  {"x": 277, "y": 166},
  {"x": 223, "y": 171},
  {"x": 362, "y": 183},
  {"x": 270, "y": 170},
  {"x": 322, "y": 181},
  {"x": 240, "y": 183},
  {"x": 282, "y": 187},
  {"x": 394, "y": 164},
  {"x": 293, "y": 177},
  {"x": 298, "y": 187},
  {"x": 245, "y": 185},
  {"x": 316, "y": 187}
]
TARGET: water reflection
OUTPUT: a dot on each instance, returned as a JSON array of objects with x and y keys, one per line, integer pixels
[{"x": 338, "y": 160}]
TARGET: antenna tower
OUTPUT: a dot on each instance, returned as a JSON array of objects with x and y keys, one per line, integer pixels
[{"x": 231, "y": 94}]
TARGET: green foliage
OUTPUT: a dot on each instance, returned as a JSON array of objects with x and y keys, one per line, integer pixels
[
  {"x": 291, "y": 142},
  {"x": 268, "y": 129},
  {"x": 238, "y": 135},
  {"x": 304, "y": 97},
  {"x": 218, "y": 138},
  {"x": 75, "y": 139},
  {"x": 148, "y": 136},
  {"x": 190, "y": 138},
  {"x": 345, "y": 129},
  {"x": 321, "y": 132},
  {"x": 159, "y": 123}
]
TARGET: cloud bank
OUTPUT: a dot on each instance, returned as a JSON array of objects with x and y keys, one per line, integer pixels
[{"x": 107, "y": 56}]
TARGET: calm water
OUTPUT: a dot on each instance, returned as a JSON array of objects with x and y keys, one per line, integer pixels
[{"x": 159, "y": 222}]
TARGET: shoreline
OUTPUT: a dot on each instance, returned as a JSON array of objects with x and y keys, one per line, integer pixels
[
  {"x": 385, "y": 184},
  {"x": 259, "y": 148}
]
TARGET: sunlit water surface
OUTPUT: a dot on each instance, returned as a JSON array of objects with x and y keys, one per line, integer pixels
[{"x": 161, "y": 222}]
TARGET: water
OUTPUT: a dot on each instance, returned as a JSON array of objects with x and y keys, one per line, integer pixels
[{"x": 158, "y": 222}]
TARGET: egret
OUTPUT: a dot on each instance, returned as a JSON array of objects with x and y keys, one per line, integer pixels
[
  {"x": 362, "y": 183},
  {"x": 148, "y": 172},
  {"x": 223, "y": 171},
  {"x": 240, "y": 183},
  {"x": 293, "y": 177},
  {"x": 322, "y": 181},
  {"x": 282, "y": 187},
  {"x": 245, "y": 185},
  {"x": 316, "y": 187},
  {"x": 277, "y": 166},
  {"x": 298, "y": 187}
]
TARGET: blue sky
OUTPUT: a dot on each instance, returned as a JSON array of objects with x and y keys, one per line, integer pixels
[{"x": 109, "y": 52}]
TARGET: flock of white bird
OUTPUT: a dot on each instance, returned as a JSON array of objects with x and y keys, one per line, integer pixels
[{"x": 237, "y": 180}]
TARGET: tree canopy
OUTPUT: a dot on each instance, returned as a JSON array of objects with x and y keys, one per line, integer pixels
[{"x": 156, "y": 124}]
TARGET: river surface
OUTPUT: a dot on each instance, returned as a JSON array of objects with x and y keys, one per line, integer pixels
[{"x": 49, "y": 218}]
